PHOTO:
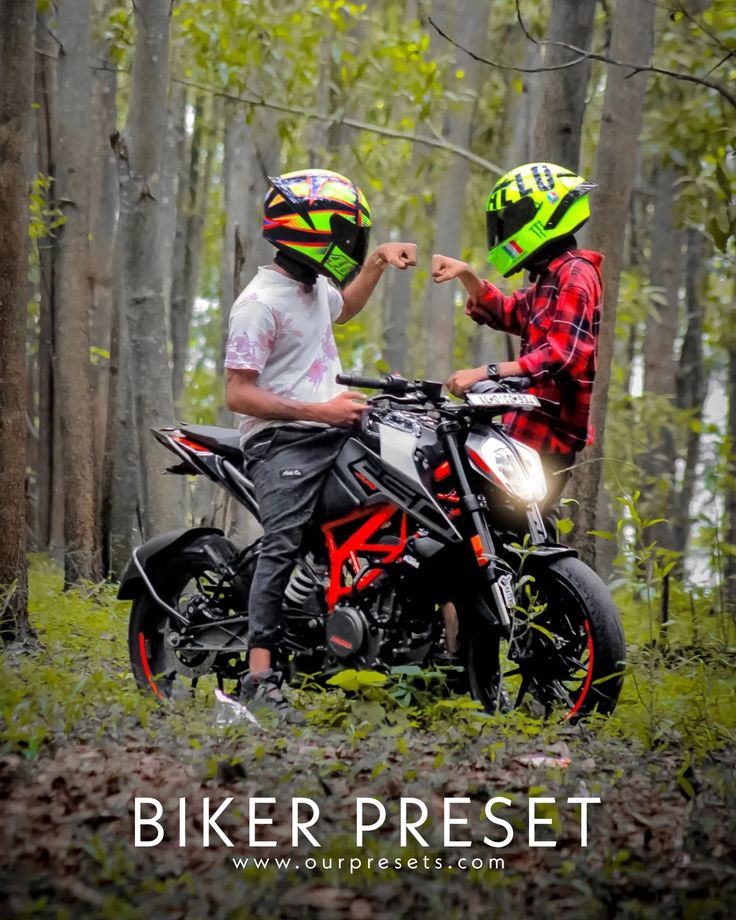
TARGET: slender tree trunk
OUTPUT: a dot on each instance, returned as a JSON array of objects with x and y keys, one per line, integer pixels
[
  {"x": 729, "y": 568},
  {"x": 49, "y": 483},
  {"x": 471, "y": 28},
  {"x": 174, "y": 158},
  {"x": 623, "y": 105},
  {"x": 397, "y": 305},
  {"x": 139, "y": 154},
  {"x": 659, "y": 354},
  {"x": 692, "y": 383},
  {"x": 192, "y": 204},
  {"x": 103, "y": 225},
  {"x": 17, "y": 19},
  {"x": 72, "y": 372},
  {"x": 559, "y": 121}
]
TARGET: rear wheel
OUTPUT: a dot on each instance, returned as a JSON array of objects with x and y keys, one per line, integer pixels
[
  {"x": 187, "y": 581},
  {"x": 566, "y": 651}
]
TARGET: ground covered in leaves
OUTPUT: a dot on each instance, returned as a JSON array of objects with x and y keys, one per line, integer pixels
[{"x": 80, "y": 743}]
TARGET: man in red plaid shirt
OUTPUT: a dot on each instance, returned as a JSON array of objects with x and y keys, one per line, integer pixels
[{"x": 533, "y": 213}]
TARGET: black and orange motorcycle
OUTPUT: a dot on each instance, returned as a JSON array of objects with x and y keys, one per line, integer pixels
[{"x": 429, "y": 546}]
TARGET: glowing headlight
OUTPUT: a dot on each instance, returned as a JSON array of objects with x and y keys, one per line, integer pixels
[{"x": 521, "y": 475}]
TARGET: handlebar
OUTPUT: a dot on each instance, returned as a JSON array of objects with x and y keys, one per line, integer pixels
[
  {"x": 394, "y": 385},
  {"x": 390, "y": 384}
]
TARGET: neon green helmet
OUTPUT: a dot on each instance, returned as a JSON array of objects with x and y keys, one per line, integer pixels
[{"x": 528, "y": 208}]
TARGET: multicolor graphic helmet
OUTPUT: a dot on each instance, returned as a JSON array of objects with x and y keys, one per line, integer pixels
[
  {"x": 319, "y": 218},
  {"x": 531, "y": 206}
]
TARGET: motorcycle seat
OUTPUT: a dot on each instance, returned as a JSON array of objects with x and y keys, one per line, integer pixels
[{"x": 223, "y": 441}]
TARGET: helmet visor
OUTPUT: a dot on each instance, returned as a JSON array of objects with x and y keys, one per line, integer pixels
[
  {"x": 502, "y": 225},
  {"x": 350, "y": 238}
]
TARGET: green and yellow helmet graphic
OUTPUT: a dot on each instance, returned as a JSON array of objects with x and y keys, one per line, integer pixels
[
  {"x": 319, "y": 218},
  {"x": 530, "y": 206}
]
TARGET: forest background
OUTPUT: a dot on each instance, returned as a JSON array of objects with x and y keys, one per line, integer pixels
[{"x": 135, "y": 139}]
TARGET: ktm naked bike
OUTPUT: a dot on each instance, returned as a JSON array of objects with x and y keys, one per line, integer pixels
[{"x": 429, "y": 546}]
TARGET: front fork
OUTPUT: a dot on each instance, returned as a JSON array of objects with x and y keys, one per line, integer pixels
[{"x": 474, "y": 505}]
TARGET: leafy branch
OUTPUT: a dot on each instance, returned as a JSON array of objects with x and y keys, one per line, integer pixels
[
  {"x": 438, "y": 142},
  {"x": 581, "y": 55}
]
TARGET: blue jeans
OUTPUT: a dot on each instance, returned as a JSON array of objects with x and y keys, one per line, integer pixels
[{"x": 287, "y": 466}]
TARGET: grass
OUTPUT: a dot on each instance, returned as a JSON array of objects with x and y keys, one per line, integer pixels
[{"x": 79, "y": 682}]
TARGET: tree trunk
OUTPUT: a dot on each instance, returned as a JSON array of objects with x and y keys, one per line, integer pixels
[
  {"x": 632, "y": 39},
  {"x": 192, "y": 203},
  {"x": 17, "y": 19},
  {"x": 49, "y": 525},
  {"x": 659, "y": 351},
  {"x": 729, "y": 568},
  {"x": 103, "y": 225},
  {"x": 692, "y": 383},
  {"x": 471, "y": 29},
  {"x": 72, "y": 266},
  {"x": 143, "y": 332},
  {"x": 175, "y": 150},
  {"x": 559, "y": 121}
]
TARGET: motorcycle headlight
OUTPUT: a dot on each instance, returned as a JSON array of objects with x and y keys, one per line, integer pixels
[{"x": 521, "y": 475}]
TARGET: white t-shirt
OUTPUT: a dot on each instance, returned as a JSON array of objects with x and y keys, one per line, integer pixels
[{"x": 284, "y": 333}]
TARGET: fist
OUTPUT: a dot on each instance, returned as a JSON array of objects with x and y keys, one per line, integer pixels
[
  {"x": 400, "y": 255},
  {"x": 461, "y": 381},
  {"x": 445, "y": 269}
]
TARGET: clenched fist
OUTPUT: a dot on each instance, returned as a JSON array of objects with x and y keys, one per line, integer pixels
[{"x": 400, "y": 255}]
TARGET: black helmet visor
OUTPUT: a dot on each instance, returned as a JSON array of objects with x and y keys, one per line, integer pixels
[
  {"x": 350, "y": 238},
  {"x": 502, "y": 225}
]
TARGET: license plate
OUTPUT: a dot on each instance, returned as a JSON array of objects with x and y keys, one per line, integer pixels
[{"x": 512, "y": 400}]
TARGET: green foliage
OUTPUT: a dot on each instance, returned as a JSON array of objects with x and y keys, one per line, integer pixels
[
  {"x": 678, "y": 692},
  {"x": 78, "y": 680}
]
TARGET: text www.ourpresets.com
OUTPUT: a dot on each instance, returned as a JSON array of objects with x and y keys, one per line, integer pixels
[{"x": 353, "y": 864}]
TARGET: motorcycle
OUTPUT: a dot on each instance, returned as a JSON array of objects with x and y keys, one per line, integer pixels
[{"x": 429, "y": 546}]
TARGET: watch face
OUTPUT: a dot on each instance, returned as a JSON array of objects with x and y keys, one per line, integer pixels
[{"x": 492, "y": 371}]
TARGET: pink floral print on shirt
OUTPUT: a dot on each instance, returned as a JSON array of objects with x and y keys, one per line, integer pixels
[
  {"x": 285, "y": 325},
  {"x": 246, "y": 353},
  {"x": 317, "y": 371},
  {"x": 329, "y": 348}
]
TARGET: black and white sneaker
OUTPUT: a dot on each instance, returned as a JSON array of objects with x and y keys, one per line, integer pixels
[{"x": 262, "y": 693}]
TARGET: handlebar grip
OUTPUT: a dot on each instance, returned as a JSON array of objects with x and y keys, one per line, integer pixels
[{"x": 371, "y": 383}]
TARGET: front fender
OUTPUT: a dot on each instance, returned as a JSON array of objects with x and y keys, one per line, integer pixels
[
  {"x": 541, "y": 554},
  {"x": 132, "y": 584}
]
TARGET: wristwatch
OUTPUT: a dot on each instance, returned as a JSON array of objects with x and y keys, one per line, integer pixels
[{"x": 492, "y": 371}]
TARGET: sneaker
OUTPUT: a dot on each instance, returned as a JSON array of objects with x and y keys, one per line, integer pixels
[{"x": 263, "y": 692}]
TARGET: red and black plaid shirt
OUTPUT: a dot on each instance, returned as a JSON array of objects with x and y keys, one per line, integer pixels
[{"x": 558, "y": 318}]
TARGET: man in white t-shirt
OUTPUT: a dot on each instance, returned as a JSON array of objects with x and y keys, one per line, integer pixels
[{"x": 281, "y": 365}]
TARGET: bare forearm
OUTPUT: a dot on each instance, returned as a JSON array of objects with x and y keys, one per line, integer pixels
[
  {"x": 510, "y": 369},
  {"x": 261, "y": 404},
  {"x": 356, "y": 294},
  {"x": 472, "y": 283}
]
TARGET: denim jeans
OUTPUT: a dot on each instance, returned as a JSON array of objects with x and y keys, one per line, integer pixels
[{"x": 287, "y": 466}]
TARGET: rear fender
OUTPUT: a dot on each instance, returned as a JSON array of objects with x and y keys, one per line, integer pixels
[{"x": 136, "y": 578}]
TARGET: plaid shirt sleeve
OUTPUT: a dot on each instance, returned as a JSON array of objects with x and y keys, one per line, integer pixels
[
  {"x": 569, "y": 341},
  {"x": 492, "y": 308}
]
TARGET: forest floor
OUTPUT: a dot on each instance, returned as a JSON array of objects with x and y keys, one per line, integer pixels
[{"x": 80, "y": 743}]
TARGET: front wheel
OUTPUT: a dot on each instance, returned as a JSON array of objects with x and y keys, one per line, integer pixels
[{"x": 566, "y": 650}]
